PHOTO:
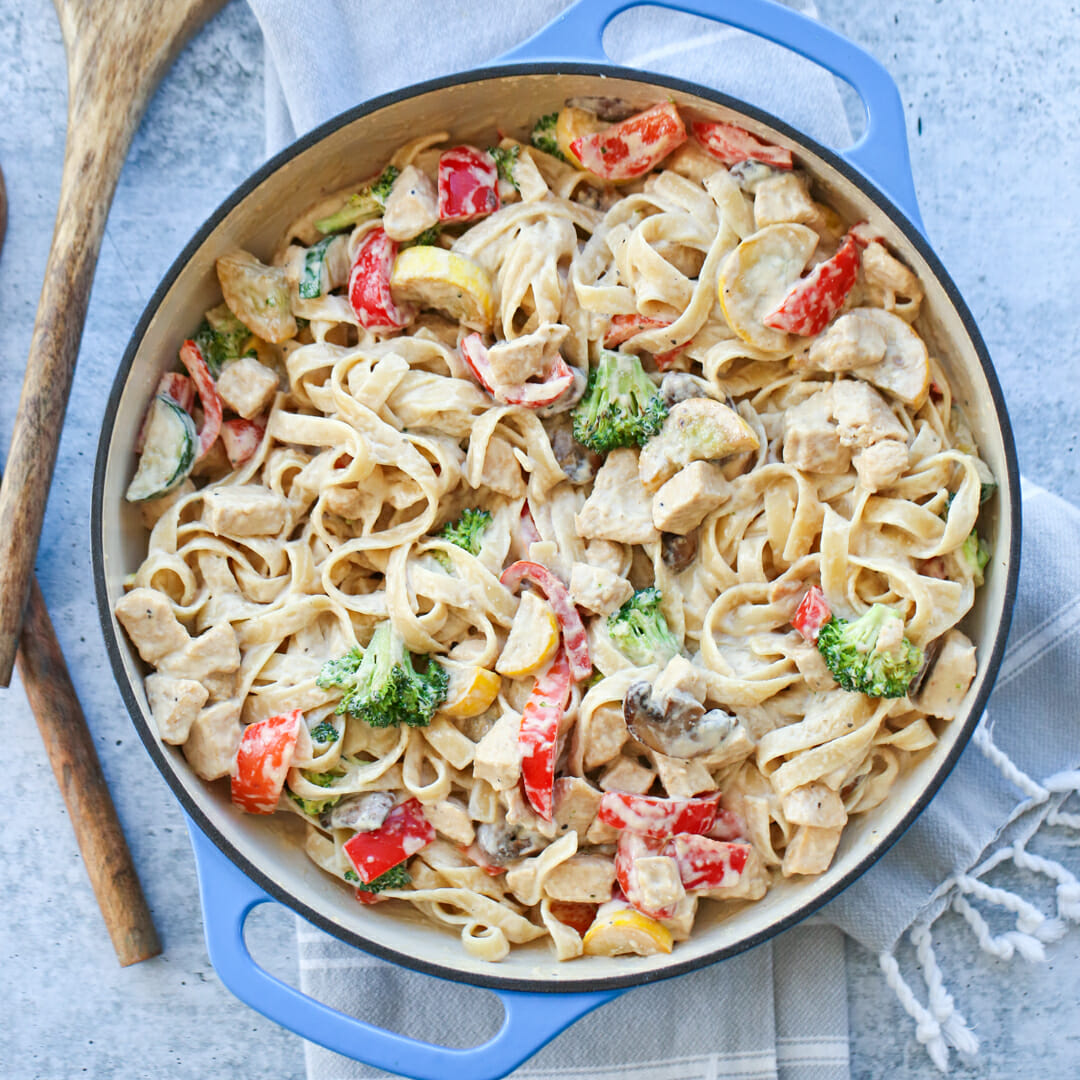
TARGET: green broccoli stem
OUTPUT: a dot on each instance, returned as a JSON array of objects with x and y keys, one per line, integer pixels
[
  {"x": 641, "y": 632},
  {"x": 621, "y": 407}
]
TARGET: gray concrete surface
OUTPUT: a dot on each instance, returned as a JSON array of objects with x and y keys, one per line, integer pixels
[{"x": 991, "y": 90}]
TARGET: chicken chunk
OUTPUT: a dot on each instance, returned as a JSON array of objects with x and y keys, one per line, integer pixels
[
  {"x": 815, "y": 804},
  {"x": 659, "y": 884},
  {"x": 584, "y": 879},
  {"x": 502, "y": 472},
  {"x": 607, "y": 734},
  {"x": 881, "y": 465},
  {"x": 245, "y": 510},
  {"x": 257, "y": 294},
  {"x": 174, "y": 704},
  {"x": 247, "y": 387},
  {"x": 598, "y": 589},
  {"x": 862, "y": 415},
  {"x": 619, "y": 508},
  {"x": 498, "y": 755},
  {"x": 451, "y": 818},
  {"x": 679, "y": 675},
  {"x": 526, "y": 357},
  {"x": 213, "y": 652},
  {"x": 810, "y": 850},
  {"x": 148, "y": 618},
  {"x": 944, "y": 688},
  {"x": 214, "y": 739},
  {"x": 627, "y": 775},
  {"x": 852, "y": 341},
  {"x": 811, "y": 440},
  {"x": 412, "y": 205},
  {"x": 682, "y": 778},
  {"x": 689, "y": 497},
  {"x": 783, "y": 198},
  {"x": 889, "y": 283},
  {"x": 576, "y": 803}
]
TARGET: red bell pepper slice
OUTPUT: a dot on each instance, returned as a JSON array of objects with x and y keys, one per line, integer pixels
[
  {"x": 538, "y": 735},
  {"x": 727, "y": 826},
  {"x": 262, "y": 762},
  {"x": 650, "y": 815},
  {"x": 192, "y": 359},
  {"x": 813, "y": 300},
  {"x": 811, "y": 614},
  {"x": 624, "y": 327},
  {"x": 369, "y": 285},
  {"x": 633, "y": 146},
  {"x": 705, "y": 863},
  {"x": 732, "y": 144},
  {"x": 468, "y": 184},
  {"x": 631, "y": 847},
  {"x": 241, "y": 438},
  {"x": 557, "y": 380},
  {"x": 366, "y": 896},
  {"x": 574, "y": 913},
  {"x": 404, "y": 832},
  {"x": 173, "y": 385},
  {"x": 574, "y": 639}
]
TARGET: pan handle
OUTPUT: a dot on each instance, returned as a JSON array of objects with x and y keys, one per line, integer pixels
[
  {"x": 882, "y": 152},
  {"x": 530, "y": 1021}
]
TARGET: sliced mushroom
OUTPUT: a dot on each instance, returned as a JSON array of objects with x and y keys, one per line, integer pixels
[
  {"x": 678, "y": 726},
  {"x": 577, "y": 461},
  {"x": 677, "y": 386},
  {"x": 503, "y": 843},
  {"x": 678, "y": 552},
  {"x": 611, "y": 109},
  {"x": 364, "y": 813},
  {"x": 748, "y": 174}
]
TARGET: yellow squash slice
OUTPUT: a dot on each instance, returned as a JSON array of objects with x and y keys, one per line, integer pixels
[
  {"x": 472, "y": 689},
  {"x": 626, "y": 931},
  {"x": 904, "y": 371},
  {"x": 572, "y": 124},
  {"x": 534, "y": 637},
  {"x": 433, "y": 277}
]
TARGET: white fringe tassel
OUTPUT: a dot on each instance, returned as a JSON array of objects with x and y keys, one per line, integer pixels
[{"x": 939, "y": 1025}]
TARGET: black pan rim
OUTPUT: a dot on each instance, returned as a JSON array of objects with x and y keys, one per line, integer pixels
[{"x": 161, "y": 759}]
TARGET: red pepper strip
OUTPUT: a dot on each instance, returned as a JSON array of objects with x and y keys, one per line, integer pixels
[
  {"x": 649, "y": 815},
  {"x": 262, "y": 762},
  {"x": 369, "y": 285},
  {"x": 728, "y": 826},
  {"x": 529, "y": 532},
  {"x": 624, "y": 327},
  {"x": 173, "y": 385},
  {"x": 732, "y": 144},
  {"x": 573, "y": 629},
  {"x": 633, "y": 846},
  {"x": 538, "y": 735},
  {"x": 633, "y": 146},
  {"x": 193, "y": 360},
  {"x": 468, "y": 184},
  {"x": 241, "y": 439},
  {"x": 366, "y": 896},
  {"x": 404, "y": 832},
  {"x": 557, "y": 380},
  {"x": 705, "y": 863},
  {"x": 813, "y": 300},
  {"x": 811, "y": 614},
  {"x": 574, "y": 913}
]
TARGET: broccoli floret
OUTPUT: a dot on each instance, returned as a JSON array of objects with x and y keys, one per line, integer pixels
[
  {"x": 381, "y": 686},
  {"x": 220, "y": 337},
  {"x": 324, "y": 733},
  {"x": 621, "y": 407},
  {"x": 397, "y": 877},
  {"x": 640, "y": 630},
  {"x": 465, "y": 532},
  {"x": 850, "y": 651},
  {"x": 505, "y": 160},
  {"x": 315, "y": 807},
  {"x": 975, "y": 551},
  {"x": 368, "y": 202},
  {"x": 428, "y": 238},
  {"x": 543, "y": 136}
]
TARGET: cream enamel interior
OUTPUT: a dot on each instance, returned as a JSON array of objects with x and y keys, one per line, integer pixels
[{"x": 472, "y": 111}]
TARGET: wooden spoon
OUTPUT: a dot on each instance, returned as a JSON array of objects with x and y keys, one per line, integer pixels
[{"x": 116, "y": 54}]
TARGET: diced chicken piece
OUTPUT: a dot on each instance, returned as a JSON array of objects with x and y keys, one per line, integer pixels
[
  {"x": 658, "y": 883},
  {"x": 863, "y": 417},
  {"x": 619, "y": 508},
  {"x": 215, "y": 651},
  {"x": 680, "y": 676},
  {"x": 174, "y": 703},
  {"x": 502, "y": 472},
  {"x": 811, "y": 440},
  {"x": 498, "y": 755},
  {"x": 689, "y": 497},
  {"x": 247, "y": 387},
  {"x": 810, "y": 850},
  {"x": 889, "y": 283},
  {"x": 214, "y": 739},
  {"x": 607, "y": 555},
  {"x": 526, "y": 357},
  {"x": 598, "y": 589},
  {"x": 851, "y": 342},
  {"x": 257, "y": 294},
  {"x": 783, "y": 198},
  {"x": 815, "y": 804},
  {"x": 451, "y": 818},
  {"x": 148, "y": 618},
  {"x": 412, "y": 205},
  {"x": 627, "y": 775},
  {"x": 681, "y": 778},
  {"x": 944, "y": 688},
  {"x": 221, "y": 685},
  {"x": 881, "y": 465},
  {"x": 584, "y": 879},
  {"x": 607, "y": 734},
  {"x": 576, "y": 803},
  {"x": 245, "y": 510},
  {"x": 681, "y": 923},
  {"x": 904, "y": 371},
  {"x": 811, "y": 665},
  {"x": 600, "y": 832},
  {"x": 699, "y": 429}
]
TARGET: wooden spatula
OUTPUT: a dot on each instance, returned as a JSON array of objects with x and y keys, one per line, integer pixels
[{"x": 116, "y": 54}]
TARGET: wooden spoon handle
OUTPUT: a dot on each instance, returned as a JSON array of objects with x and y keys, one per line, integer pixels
[
  {"x": 91, "y": 168},
  {"x": 74, "y": 761}
]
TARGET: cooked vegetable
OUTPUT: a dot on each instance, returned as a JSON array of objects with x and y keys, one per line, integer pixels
[
  {"x": 543, "y": 135},
  {"x": 381, "y": 686},
  {"x": 705, "y": 863},
  {"x": 625, "y": 327},
  {"x": 530, "y": 395},
  {"x": 368, "y": 202},
  {"x": 633, "y": 146},
  {"x": 675, "y": 725},
  {"x": 471, "y": 691},
  {"x": 732, "y": 144},
  {"x": 404, "y": 832},
  {"x": 468, "y": 184},
  {"x": 505, "y": 159},
  {"x": 168, "y": 451},
  {"x": 241, "y": 438},
  {"x": 220, "y": 338},
  {"x": 324, "y": 733},
  {"x": 369, "y": 285},
  {"x": 432, "y": 277},
  {"x": 975, "y": 551},
  {"x": 311, "y": 284},
  {"x": 539, "y": 734},
  {"x": 813, "y": 300},
  {"x": 622, "y": 406},
  {"x": 209, "y": 398},
  {"x": 315, "y": 807},
  {"x": 397, "y": 877},
  {"x": 262, "y": 762},
  {"x": 618, "y": 929},
  {"x": 640, "y": 630},
  {"x": 533, "y": 638},
  {"x": 465, "y": 533},
  {"x": 870, "y": 655},
  {"x": 649, "y": 815},
  {"x": 812, "y": 614}
]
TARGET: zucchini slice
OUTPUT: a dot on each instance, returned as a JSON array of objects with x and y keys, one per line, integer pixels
[
  {"x": 168, "y": 452},
  {"x": 311, "y": 284}
]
